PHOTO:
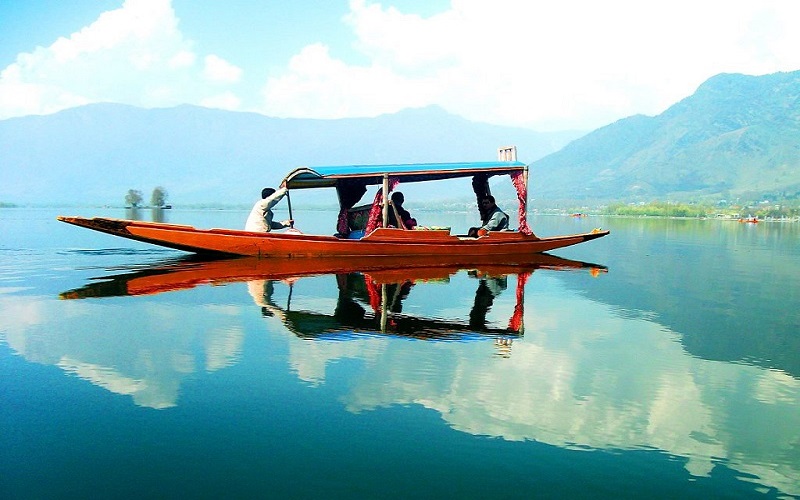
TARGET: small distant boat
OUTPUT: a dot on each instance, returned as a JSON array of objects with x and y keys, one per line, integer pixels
[
  {"x": 579, "y": 214},
  {"x": 749, "y": 220},
  {"x": 369, "y": 239}
]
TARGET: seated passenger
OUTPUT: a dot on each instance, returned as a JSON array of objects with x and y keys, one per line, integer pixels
[
  {"x": 493, "y": 218},
  {"x": 408, "y": 221}
]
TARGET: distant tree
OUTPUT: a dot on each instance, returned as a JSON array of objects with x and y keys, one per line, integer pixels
[
  {"x": 159, "y": 197},
  {"x": 133, "y": 198}
]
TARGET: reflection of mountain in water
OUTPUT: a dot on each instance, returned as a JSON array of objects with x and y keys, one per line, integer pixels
[
  {"x": 730, "y": 290},
  {"x": 142, "y": 353},
  {"x": 583, "y": 376},
  {"x": 590, "y": 380}
]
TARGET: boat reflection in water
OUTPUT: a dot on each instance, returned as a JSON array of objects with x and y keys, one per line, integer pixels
[
  {"x": 585, "y": 376},
  {"x": 372, "y": 304},
  {"x": 369, "y": 298}
]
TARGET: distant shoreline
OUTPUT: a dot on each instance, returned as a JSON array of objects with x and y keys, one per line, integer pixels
[{"x": 537, "y": 212}]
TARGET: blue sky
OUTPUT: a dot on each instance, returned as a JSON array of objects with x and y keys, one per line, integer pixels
[{"x": 572, "y": 64}]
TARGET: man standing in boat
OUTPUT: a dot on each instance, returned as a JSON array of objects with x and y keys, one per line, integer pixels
[
  {"x": 260, "y": 219},
  {"x": 492, "y": 217}
]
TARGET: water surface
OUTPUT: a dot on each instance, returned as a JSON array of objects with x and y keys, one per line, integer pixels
[{"x": 662, "y": 360}]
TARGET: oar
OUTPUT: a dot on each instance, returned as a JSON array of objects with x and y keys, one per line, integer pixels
[
  {"x": 289, "y": 202},
  {"x": 289, "y": 298}
]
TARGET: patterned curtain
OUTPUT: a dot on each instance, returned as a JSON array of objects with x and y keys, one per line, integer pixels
[
  {"x": 515, "y": 323},
  {"x": 376, "y": 212},
  {"x": 374, "y": 294},
  {"x": 522, "y": 194},
  {"x": 349, "y": 193}
]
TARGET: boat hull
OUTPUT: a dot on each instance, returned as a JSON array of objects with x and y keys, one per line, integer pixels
[{"x": 382, "y": 242}]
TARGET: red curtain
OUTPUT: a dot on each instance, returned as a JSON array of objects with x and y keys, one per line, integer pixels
[
  {"x": 374, "y": 293},
  {"x": 349, "y": 193},
  {"x": 517, "y": 178},
  {"x": 376, "y": 212},
  {"x": 515, "y": 323}
]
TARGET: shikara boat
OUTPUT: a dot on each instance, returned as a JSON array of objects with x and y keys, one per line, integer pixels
[{"x": 374, "y": 237}]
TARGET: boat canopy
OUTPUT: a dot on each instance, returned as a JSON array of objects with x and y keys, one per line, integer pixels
[
  {"x": 329, "y": 176},
  {"x": 351, "y": 183}
]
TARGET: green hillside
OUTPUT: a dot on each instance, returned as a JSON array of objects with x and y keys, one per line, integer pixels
[{"x": 737, "y": 137}]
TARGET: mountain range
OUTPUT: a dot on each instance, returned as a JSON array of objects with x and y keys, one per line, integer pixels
[
  {"x": 736, "y": 136},
  {"x": 96, "y": 153}
]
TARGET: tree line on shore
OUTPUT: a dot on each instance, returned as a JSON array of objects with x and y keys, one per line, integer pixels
[{"x": 668, "y": 209}]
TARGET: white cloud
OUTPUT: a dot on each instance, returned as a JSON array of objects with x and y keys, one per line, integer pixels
[
  {"x": 134, "y": 55},
  {"x": 18, "y": 98},
  {"x": 576, "y": 63},
  {"x": 226, "y": 100},
  {"x": 319, "y": 86},
  {"x": 548, "y": 65},
  {"x": 183, "y": 59},
  {"x": 220, "y": 70}
]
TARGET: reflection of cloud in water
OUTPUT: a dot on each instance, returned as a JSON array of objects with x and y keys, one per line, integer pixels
[
  {"x": 583, "y": 377},
  {"x": 25, "y": 314},
  {"x": 106, "y": 378},
  {"x": 309, "y": 359},
  {"x": 775, "y": 387},
  {"x": 140, "y": 350},
  {"x": 223, "y": 347},
  {"x": 144, "y": 394}
]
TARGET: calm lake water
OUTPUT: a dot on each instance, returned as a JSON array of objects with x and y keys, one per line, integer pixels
[{"x": 660, "y": 361}]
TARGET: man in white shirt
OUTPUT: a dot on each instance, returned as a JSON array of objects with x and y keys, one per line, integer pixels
[
  {"x": 260, "y": 218},
  {"x": 492, "y": 218}
]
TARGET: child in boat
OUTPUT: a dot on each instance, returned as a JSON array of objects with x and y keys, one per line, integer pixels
[
  {"x": 260, "y": 218},
  {"x": 492, "y": 217}
]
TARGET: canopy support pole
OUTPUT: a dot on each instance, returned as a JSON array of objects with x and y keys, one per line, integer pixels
[
  {"x": 384, "y": 312},
  {"x": 385, "y": 199},
  {"x": 289, "y": 203}
]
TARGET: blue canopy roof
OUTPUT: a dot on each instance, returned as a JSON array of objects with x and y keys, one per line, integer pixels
[{"x": 328, "y": 176}]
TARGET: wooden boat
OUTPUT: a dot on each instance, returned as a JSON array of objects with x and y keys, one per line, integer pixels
[{"x": 351, "y": 184}]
